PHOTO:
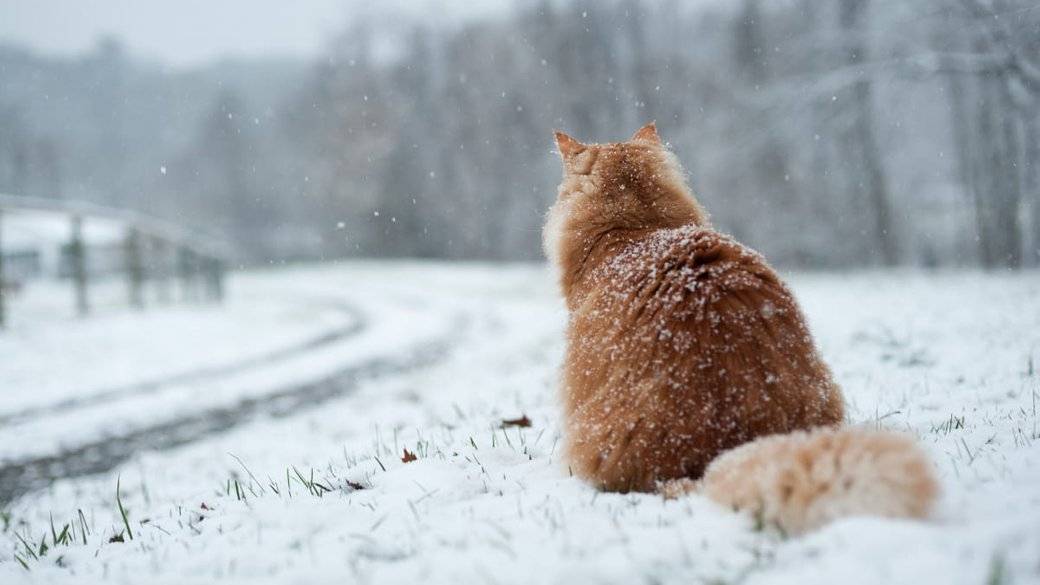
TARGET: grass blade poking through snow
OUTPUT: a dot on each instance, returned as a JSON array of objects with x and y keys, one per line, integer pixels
[{"x": 122, "y": 512}]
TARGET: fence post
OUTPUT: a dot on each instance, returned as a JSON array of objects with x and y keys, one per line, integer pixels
[
  {"x": 78, "y": 259},
  {"x": 3, "y": 283},
  {"x": 186, "y": 270},
  {"x": 134, "y": 267},
  {"x": 163, "y": 270},
  {"x": 215, "y": 279}
]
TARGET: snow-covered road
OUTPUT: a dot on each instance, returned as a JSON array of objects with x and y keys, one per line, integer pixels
[
  {"x": 291, "y": 470},
  {"x": 87, "y": 428}
]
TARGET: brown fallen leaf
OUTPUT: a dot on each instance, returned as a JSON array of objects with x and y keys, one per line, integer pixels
[
  {"x": 408, "y": 457},
  {"x": 523, "y": 421},
  {"x": 354, "y": 485}
]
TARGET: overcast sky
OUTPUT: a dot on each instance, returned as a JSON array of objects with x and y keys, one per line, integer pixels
[{"x": 189, "y": 32}]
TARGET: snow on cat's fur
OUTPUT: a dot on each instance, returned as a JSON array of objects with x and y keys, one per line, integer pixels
[{"x": 683, "y": 345}]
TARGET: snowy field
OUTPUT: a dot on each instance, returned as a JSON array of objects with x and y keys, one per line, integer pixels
[{"x": 345, "y": 424}]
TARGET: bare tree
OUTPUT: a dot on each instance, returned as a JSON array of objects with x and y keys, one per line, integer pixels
[
  {"x": 995, "y": 140},
  {"x": 871, "y": 180}
]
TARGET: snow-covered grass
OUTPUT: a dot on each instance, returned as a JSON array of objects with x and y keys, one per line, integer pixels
[{"x": 324, "y": 495}]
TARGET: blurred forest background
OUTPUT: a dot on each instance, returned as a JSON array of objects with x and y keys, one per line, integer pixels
[{"x": 826, "y": 133}]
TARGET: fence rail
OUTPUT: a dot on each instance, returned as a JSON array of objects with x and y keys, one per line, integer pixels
[{"x": 152, "y": 249}]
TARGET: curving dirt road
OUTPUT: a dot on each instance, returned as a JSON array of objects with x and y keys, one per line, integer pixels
[
  {"x": 355, "y": 325},
  {"x": 103, "y": 453}
]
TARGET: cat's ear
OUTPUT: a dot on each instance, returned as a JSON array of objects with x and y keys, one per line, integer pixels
[
  {"x": 568, "y": 146},
  {"x": 648, "y": 133}
]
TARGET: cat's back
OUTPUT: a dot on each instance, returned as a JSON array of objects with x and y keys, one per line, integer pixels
[
  {"x": 685, "y": 345},
  {"x": 709, "y": 323},
  {"x": 685, "y": 273}
]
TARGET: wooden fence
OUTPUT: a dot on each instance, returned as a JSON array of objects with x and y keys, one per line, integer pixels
[{"x": 151, "y": 249}]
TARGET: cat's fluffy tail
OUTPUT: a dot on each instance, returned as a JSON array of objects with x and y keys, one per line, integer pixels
[{"x": 802, "y": 480}]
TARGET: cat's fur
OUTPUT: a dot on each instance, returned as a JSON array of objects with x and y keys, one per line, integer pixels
[{"x": 684, "y": 344}]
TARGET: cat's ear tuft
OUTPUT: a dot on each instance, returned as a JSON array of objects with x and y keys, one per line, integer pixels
[
  {"x": 568, "y": 146},
  {"x": 648, "y": 133}
]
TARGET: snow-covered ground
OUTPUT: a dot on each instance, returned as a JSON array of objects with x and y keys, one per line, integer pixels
[{"x": 432, "y": 359}]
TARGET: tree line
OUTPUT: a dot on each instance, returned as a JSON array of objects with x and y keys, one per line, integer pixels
[{"x": 825, "y": 133}]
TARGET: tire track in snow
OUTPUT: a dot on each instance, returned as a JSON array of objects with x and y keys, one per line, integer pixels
[
  {"x": 200, "y": 375},
  {"x": 18, "y": 478}
]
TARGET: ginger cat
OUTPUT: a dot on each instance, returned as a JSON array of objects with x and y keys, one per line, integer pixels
[{"x": 683, "y": 345}]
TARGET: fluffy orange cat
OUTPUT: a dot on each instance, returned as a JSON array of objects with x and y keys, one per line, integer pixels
[{"x": 688, "y": 358}]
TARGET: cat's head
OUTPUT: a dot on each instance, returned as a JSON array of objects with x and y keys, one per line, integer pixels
[{"x": 634, "y": 185}]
